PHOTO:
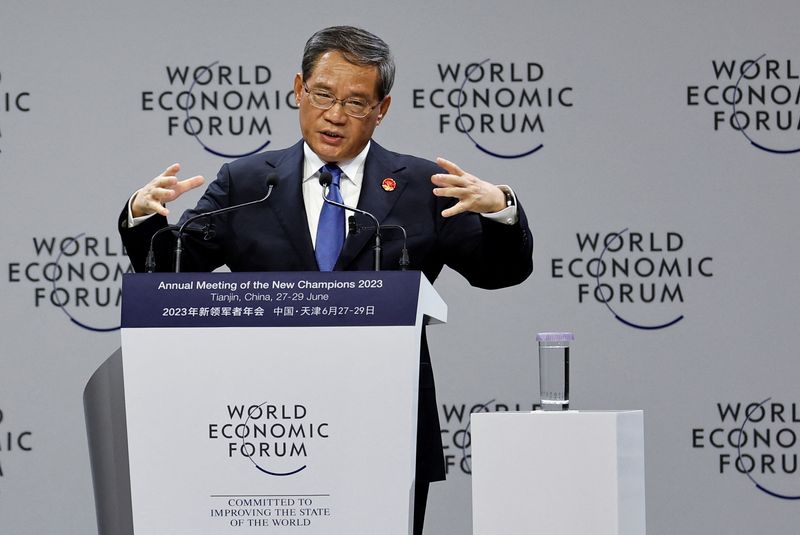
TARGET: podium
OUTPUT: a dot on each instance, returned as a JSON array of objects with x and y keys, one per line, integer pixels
[
  {"x": 569, "y": 473},
  {"x": 245, "y": 402}
]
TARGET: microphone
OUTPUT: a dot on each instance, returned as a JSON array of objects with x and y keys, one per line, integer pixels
[
  {"x": 272, "y": 183},
  {"x": 150, "y": 262},
  {"x": 404, "y": 262},
  {"x": 325, "y": 179}
]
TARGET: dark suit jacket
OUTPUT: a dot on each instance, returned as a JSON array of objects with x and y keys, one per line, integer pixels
[{"x": 274, "y": 236}]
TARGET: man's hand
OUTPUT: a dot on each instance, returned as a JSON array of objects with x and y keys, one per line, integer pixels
[
  {"x": 161, "y": 190},
  {"x": 473, "y": 194}
]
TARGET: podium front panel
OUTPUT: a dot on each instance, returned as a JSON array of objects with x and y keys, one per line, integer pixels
[{"x": 284, "y": 420}]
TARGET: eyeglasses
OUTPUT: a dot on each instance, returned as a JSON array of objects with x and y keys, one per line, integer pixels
[{"x": 354, "y": 107}]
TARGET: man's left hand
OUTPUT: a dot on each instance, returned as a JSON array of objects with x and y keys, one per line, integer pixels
[{"x": 473, "y": 194}]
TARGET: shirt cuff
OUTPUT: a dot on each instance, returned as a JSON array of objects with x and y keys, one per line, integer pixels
[{"x": 508, "y": 215}]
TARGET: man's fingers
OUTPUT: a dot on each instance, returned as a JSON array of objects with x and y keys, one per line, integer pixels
[
  {"x": 190, "y": 183},
  {"x": 450, "y": 166},
  {"x": 445, "y": 181},
  {"x": 172, "y": 182},
  {"x": 172, "y": 170},
  {"x": 168, "y": 189},
  {"x": 163, "y": 194},
  {"x": 458, "y": 193},
  {"x": 162, "y": 181},
  {"x": 473, "y": 194},
  {"x": 158, "y": 208},
  {"x": 464, "y": 204},
  {"x": 454, "y": 210},
  {"x": 161, "y": 190},
  {"x": 146, "y": 203}
]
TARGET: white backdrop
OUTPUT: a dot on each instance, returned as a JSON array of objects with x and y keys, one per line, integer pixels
[{"x": 629, "y": 106}]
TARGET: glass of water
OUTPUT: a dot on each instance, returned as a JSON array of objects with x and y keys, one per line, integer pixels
[{"x": 554, "y": 370}]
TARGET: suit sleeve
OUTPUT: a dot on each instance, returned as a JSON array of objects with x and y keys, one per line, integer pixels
[{"x": 489, "y": 254}]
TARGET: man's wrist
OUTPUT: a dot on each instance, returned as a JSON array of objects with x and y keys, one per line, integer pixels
[
  {"x": 508, "y": 214},
  {"x": 510, "y": 199},
  {"x": 132, "y": 220}
]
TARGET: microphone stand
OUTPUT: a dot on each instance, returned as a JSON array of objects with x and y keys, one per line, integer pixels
[
  {"x": 272, "y": 183},
  {"x": 404, "y": 261}
]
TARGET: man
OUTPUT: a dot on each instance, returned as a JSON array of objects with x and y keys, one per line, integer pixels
[{"x": 343, "y": 95}]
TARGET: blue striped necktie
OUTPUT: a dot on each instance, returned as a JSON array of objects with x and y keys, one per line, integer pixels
[{"x": 330, "y": 231}]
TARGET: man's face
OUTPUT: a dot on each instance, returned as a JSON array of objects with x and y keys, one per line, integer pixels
[{"x": 332, "y": 134}]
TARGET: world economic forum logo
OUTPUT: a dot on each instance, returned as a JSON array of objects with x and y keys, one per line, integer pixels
[
  {"x": 757, "y": 98},
  {"x": 503, "y": 108},
  {"x": 277, "y": 439},
  {"x": 80, "y": 276},
  {"x": 641, "y": 278},
  {"x": 221, "y": 106},
  {"x": 757, "y": 441}
]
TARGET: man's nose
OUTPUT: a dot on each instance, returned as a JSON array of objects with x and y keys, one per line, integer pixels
[{"x": 335, "y": 113}]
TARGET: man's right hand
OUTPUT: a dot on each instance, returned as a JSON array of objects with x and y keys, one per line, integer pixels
[{"x": 162, "y": 189}]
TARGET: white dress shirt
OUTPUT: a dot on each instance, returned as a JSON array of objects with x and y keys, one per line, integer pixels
[{"x": 349, "y": 185}]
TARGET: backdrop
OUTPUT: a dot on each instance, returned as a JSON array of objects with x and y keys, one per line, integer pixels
[{"x": 654, "y": 147}]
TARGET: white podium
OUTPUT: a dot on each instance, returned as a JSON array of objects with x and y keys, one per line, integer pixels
[
  {"x": 558, "y": 473},
  {"x": 261, "y": 402}
]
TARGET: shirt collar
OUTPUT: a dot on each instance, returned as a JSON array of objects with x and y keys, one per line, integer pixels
[{"x": 350, "y": 169}]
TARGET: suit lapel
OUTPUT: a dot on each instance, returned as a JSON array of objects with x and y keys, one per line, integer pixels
[
  {"x": 374, "y": 199},
  {"x": 287, "y": 203}
]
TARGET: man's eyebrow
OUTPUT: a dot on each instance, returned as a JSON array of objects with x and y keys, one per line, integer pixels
[{"x": 322, "y": 86}]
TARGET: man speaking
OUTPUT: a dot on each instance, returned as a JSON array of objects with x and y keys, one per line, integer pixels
[{"x": 451, "y": 217}]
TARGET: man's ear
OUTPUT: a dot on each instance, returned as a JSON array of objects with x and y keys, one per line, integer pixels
[
  {"x": 383, "y": 108},
  {"x": 298, "y": 87}
]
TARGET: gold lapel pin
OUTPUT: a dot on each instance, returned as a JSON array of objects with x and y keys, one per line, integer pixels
[{"x": 389, "y": 184}]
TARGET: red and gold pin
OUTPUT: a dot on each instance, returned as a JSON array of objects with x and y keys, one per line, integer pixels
[{"x": 389, "y": 184}]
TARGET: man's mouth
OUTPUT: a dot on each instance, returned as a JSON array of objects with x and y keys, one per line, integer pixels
[{"x": 334, "y": 135}]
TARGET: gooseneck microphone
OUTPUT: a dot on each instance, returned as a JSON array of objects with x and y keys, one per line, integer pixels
[
  {"x": 404, "y": 262},
  {"x": 150, "y": 262},
  {"x": 272, "y": 183},
  {"x": 325, "y": 179}
]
